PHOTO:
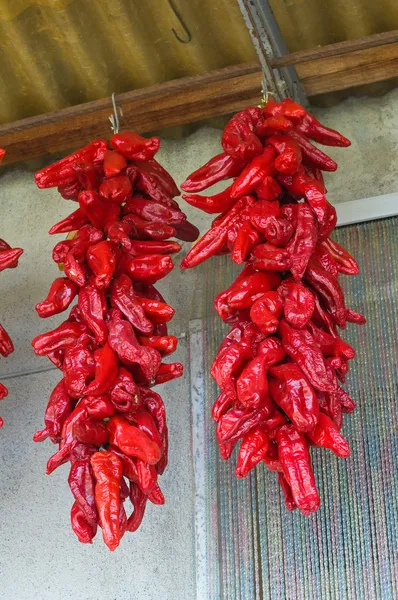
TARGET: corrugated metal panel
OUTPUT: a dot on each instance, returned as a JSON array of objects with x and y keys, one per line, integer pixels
[
  {"x": 252, "y": 547},
  {"x": 58, "y": 53}
]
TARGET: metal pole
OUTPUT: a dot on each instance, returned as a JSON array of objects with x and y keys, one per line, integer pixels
[{"x": 269, "y": 44}]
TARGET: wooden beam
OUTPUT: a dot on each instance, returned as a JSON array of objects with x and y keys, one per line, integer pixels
[
  {"x": 370, "y": 41},
  {"x": 349, "y": 70},
  {"x": 190, "y": 99},
  {"x": 175, "y": 102}
]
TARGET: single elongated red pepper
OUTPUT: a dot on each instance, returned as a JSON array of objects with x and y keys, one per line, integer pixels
[
  {"x": 91, "y": 307},
  {"x": 246, "y": 239},
  {"x": 106, "y": 369},
  {"x": 218, "y": 168},
  {"x": 148, "y": 268},
  {"x": 158, "y": 312},
  {"x": 101, "y": 259},
  {"x": 311, "y": 127},
  {"x": 84, "y": 529},
  {"x": 123, "y": 341},
  {"x": 155, "y": 406},
  {"x": 329, "y": 290},
  {"x": 267, "y": 257},
  {"x": 273, "y": 124},
  {"x": 132, "y": 441},
  {"x": 72, "y": 222},
  {"x": 327, "y": 435},
  {"x": 86, "y": 174},
  {"x": 135, "y": 147},
  {"x": 312, "y": 155},
  {"x": 166, "y": 344},
  {"x": 108, "y": 470},
  {"x": 61, "y": 337},
  {"x": 260, "y": 167},
  {"x": 68, "y": 441},
  {"x": 252, "y": 383},
  {"x": 252, "y": 450},
  {"x": 123, "y": 297},
  {"x": 243, "y": 293},
  {"x": 344, "y": 261},
  {"x": 303, "y": 242},
  {"x": 9, "y": 258},
  {"x": 287, "y": 108},
  {"x": 167, "y": 372},
  {"x": 296, "y": 466},
  {"x": 291, "y": 391},
  {"x": 302, "y": 348},
  {"x": 301, "y": 185},
  {"x": 221, "y": 405},
  {"x": 82, "y": 483},
  {"x": 146, "y": 229},
  {"x": 211, "y": 204},
  {"x": 6, "y": 345},
  {"x": 138, "y": 500},
  {"x": 153, "y": 247}
]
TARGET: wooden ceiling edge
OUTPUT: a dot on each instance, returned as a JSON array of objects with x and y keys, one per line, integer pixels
[{"x": 176, "y": 102}]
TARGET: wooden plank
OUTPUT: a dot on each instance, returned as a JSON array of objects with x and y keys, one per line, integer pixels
[
  {"x": 349, "y": 70},
  {"x": 172, "y": 103},
  {"x": 370, "y": 41},
  {"x": 187, "y": 100}
]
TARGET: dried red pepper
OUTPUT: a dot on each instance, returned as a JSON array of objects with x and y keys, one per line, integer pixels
[
  {"x": 8, "y": 260},
  {"x": 279, "y": 367},
  {"x": 103, "y": 415}
]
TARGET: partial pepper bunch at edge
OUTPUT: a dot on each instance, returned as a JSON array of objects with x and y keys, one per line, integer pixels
[
  {"x": 8, "y": 260},
  {"x": 280, "y": 367},
  {"x": 104, "y": 416}
]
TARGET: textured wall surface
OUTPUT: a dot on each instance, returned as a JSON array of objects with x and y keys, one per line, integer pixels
[{"x": 39, "y": 555}]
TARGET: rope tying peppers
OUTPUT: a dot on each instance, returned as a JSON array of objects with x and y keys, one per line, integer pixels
[
  {"x": 103, "y": 414},
  {"x": 279, "y": 367},
  {"x": 8, "y": 260}
]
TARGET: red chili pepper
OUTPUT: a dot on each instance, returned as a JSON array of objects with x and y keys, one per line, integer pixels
[
  {"x": 61, "y": 337},
  {"x": 106, "y": 368},
  {"x": 218, "y": 168},
  {"x": 289, "y": 159},
  {"x": 6, "y": 345},
  {"x": 296, "y": 465},
  {"x": 252, "y": 450},
  {"x": 291, "y": 391},
  {"x": 239, "y": 139},
  {"x": 118, "y": 189},
  {"x": 211, "y": 204},
  {"x": 108, "y": 471},
  {"x": 134, "y": 147},
  {"x": 327, "y": 435},
  {"x": 260, "y": 167},
  {"x": 124, "y": 392},
  {"x": 132, "y": 441}
]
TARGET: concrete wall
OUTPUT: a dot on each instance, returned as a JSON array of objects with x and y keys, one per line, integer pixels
[{"x": 39, "y": 555}]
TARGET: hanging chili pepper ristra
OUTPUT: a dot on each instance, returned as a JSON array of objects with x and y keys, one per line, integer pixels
[
  {"x": 108, "y": 422},
  {"x": 280, "y": 366},
  {"x": 8, "y": 260}
]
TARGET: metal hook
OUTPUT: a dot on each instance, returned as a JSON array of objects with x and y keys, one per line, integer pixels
[
  {"x": 114, "y": 119},
  {"x": 265, "y": 93},
  {"x": 185, "y": 28}
]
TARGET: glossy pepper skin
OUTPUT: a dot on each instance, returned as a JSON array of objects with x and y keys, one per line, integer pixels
[
  {"x": 280, "y": 366},
  {"x": 103, "y": 415}
]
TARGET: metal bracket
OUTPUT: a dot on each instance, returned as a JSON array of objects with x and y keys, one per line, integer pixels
[{"x": 269, "y": 44}]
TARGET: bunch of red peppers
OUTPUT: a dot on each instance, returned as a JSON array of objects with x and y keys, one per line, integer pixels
[
  {"x": 8, "y": 260},
  {"x": 280, "y": 367},
  {"x": 107, "y": 421}
]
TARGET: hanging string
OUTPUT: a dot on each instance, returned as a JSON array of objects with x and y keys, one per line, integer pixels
[{"x": 114, "y": 118}]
